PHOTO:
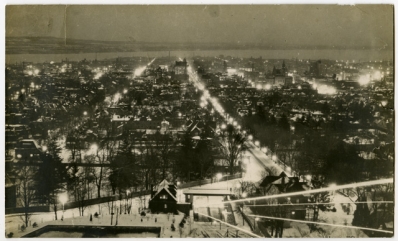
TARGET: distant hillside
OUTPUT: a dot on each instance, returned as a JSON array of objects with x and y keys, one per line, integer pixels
[{"x": 51, "y": 45}]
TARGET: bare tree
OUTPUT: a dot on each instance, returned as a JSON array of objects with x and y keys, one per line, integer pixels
[
  {"x": 232, "y": 146},
  {"x": 26, "y": 194},
  {"x": 104, "y": 153}
]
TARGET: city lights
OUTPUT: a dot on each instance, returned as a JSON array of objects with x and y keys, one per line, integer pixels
[
  {"x": 237, "y": 132},
  {"x": 326, "y": 90},
  {"x": 364, "y": 79}
]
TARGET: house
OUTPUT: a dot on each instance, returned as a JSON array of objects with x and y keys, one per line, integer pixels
[
  {"x": 287, "y": 184},
  {"x": 164, "y": 198},
  {"x": 28, "y": 150}
]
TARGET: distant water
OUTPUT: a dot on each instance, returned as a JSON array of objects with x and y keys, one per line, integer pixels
[{"x": 363, "y": 55}]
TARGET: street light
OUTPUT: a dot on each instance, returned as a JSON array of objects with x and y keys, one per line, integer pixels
[
  {"x": 274, "y": 158},
  {"x": 63, "y": 198},
  {"x": 256, "y": 220},
  {"x": 94, "y": 147}
]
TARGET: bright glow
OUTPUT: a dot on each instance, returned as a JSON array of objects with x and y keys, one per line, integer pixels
[
  {"x": 235, "y": 123},
  {"x": 30, "y": 72},
  {"x": 288, "y": 169},
  {"x": 332, "y": 185},
  {"x": 19, "y": 156},
  {"x": 250, "y": 137},
  {"x": 98, "y": 75},
  {"x": 244, "y": 195},
  {"x": 264, "y": 149},
  {"x": 63, "y": 198},
  {"x": 94, "y": 147},
  {"x": 326, "y": 90},
  {"x": 85, "y": 113},
  {"x": 267, "y": 87},
  {"x": 22, "y": 91},
  {"x": 223, "y": 126},
  {"x": 231, "y": 71},
  {"x": 219, "y": 176},
  {"x": 377, "y": 75},
  {"x": 299, "y": 87},
  {"x": 140, "y": 70},
  {"x": 384, "y": 102},
  {"x": 308, "y": 177},
  {"x": 314, "y": 85},
  {"x": 116, "y": 97},
  {"x": 364, "y": 79},
  {"x": 44, "y": 148},
  {"x": 125, "y": 91},
  {"x": 257, "y": 143},
  {"x": 36, "y": 71},
  {"x": 178, "y": 183},
  {"x": 259, "y": 87},
  {"x": 274, "y": 157}
]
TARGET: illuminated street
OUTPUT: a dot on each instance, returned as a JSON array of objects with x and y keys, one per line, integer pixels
[{"x": 199, "y": 121}]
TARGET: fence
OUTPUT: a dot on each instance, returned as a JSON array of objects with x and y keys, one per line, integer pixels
[
  {"x": 33, "y": 209},
  {"x": 96, "y": 201},
  {"x": 70, "y": 205}
]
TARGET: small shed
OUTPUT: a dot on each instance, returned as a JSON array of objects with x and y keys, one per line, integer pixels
[{"x": 163, "y": 198}]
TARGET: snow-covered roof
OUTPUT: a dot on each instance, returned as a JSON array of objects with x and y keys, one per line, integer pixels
[{"x": 164, "y": 185}]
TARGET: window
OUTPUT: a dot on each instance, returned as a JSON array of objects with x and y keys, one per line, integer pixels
[{"x": 163, "y": 196}]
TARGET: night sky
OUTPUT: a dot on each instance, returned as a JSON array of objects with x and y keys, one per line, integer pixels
[{"x": 300, "y": 25}]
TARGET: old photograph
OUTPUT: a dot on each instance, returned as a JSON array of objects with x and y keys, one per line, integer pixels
[{"x": 199, "y": 121}]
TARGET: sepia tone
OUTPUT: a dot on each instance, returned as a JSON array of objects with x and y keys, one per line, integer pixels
[{"x": 199, "y": 121}]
